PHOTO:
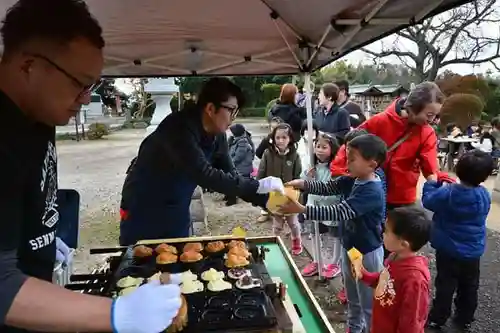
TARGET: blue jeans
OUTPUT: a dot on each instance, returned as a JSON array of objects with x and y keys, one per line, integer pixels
[{"x": 359, "y": 295}]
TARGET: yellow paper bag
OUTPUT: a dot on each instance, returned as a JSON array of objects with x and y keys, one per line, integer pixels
[{"x": 276, "y": 199}]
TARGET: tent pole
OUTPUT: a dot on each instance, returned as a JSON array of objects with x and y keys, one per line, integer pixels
[{"x": 308, "y": 90}]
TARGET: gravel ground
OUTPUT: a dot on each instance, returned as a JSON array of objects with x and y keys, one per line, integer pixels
[{"x": 96, "y": 169}]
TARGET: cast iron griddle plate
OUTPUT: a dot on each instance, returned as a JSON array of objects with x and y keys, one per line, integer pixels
[{"x": 224, "y": 311}]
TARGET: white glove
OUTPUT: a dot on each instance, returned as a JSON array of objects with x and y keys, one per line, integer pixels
[
  {"x": 63, "y": 252},
  {"x": 271, "y": 184},
  {"x": 149, "y": 309}
]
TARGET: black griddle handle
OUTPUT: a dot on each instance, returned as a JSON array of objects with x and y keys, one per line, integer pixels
[
  {"x": 105, "y": 250},
  {"x": 297, "y": 310},
  {"x": 83, "y": 286},
  {"x": 88, "y": 277}
]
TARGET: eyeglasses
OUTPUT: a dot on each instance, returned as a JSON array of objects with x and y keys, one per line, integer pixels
[
  {"x": 85, "y": 88},
  {"x": 233, "y": 110}
]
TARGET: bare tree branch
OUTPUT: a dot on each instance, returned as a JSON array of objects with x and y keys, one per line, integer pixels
[{"x": 458, "y": 36}]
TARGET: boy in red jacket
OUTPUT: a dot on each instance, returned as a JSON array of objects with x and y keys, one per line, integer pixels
[{"x": 401, "y": 297}]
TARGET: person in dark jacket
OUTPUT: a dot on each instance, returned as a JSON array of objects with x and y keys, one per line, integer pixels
[
  {"x": 332, "y": 118},
  {"x": 459, "y": 237},
  {"x": 288, "y": 111},
  {"x": 176, "y": 158},
  {"x": 356, "y": 115},
  {"x": 241, "y": 150},
  {"x": 242, "y": 153}
]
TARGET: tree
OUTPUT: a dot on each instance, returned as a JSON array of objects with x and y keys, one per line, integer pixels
[
  {"x": 107, "y": 90},
  {"x": 143, "y": 105},
  {"x": 455, "y": 37}
]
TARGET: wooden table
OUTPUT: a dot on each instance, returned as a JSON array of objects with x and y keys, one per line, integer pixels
[{"x": 461, "y": 148}]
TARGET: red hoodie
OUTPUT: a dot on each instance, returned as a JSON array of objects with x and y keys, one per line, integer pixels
[
  {"x": 338, "y": 167},
  {"x": 401, "y": 297},
  {"x": 403, "y": 165}
]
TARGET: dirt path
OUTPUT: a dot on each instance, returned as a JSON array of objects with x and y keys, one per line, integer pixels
[{"x": 96, "y": 169}]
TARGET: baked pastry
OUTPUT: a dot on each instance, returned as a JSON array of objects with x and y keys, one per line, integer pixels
[
  {"x": 191, "y": 256},
  {"x": 197, "y": 247},
  {"x": 212, "y": 275},
  {"x": 180, "y": 321},
  {"x": 188, "y": 276},
  {"x": 236, "y": 261},
  {"x": 215, "y": 246},
  {"x": 192, "y": 286},
  {"x": 237, "y": 243},
  {"x": 129, "y": 281},
  {"x": 154, "y": 277},
  {"x": 166, "y": 258},
  {"x": 142, "y": 251},
  {"x": 248, "y": 282},
  {"x": 238, "y": 273},
  {"x": 239, "y": 251},
  {"x": 166, "y": 248},
  {"x": 127, "y": 291},
  {"x": 219, "y": 285}
]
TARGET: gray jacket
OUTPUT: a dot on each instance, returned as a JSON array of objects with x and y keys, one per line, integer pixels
[{"x": 242, "y": 153}]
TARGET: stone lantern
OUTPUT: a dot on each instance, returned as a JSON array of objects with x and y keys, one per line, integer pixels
[{"x": 162, "y": 91}]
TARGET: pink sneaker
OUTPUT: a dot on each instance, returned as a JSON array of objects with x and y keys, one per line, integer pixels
[
  {"x": 341, "y": 296},
  {"x": 296, "y": 246},
  {"x": 311, "y": 269},
  {"x": 330, "y": 271}
]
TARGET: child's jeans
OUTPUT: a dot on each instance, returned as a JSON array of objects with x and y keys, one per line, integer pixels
[
  {"x": 291, "y": 220},
  {"x": 360, "y": 295}
]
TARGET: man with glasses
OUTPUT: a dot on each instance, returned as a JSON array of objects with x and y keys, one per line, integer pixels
[
  {"x": 176, "y": 158},
  {"x": 52, "y": 57}
]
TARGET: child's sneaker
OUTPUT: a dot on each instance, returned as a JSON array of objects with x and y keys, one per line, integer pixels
[
  {"x": 263, "y": 218},
  {"x": 341, "y": 296},
  {"x": 433, "y": 325},
  {"x": 330, "y": 271},
  {"x": 464, "y": 327},
  {"x": 296, "y": 246},
  {"x": 311, "y": 269}
]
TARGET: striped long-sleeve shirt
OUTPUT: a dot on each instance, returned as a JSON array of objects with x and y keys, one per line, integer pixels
[{"x": 362, "y": 211}]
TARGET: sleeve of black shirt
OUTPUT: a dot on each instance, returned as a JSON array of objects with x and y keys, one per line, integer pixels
[
  {"x": 221, "y": 156},
  {"x": 182, "y": 147},
  {"x": 11, "y": 184}
]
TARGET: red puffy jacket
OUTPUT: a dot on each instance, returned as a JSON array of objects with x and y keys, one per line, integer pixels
[
  {"x": 418, "y": 153},
  {"x": 338, "y": 167}
]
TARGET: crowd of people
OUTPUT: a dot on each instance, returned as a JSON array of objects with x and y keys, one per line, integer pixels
[{"x": 362, "y": 188}]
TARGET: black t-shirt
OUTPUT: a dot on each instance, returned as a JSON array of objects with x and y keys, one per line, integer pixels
[{"x": 28, "y": 192}]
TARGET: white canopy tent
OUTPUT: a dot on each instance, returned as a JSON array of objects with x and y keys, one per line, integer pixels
[
  {"x": 244, "y": 37},
  {"x": 165, "y": 38}
]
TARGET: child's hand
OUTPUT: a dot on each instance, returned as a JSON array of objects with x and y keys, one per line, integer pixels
[
  {"x": 357, "y": 269},
  {"x": 296, "y": 183},
  {"x": 311, "y": 173},
  {"x": 292, "y": 207}
]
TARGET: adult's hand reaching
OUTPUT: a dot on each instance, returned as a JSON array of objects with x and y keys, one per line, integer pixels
[{"x": 271, "y": 184}]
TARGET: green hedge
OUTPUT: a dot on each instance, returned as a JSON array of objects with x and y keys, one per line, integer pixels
[{"x": 253, "y": 112}]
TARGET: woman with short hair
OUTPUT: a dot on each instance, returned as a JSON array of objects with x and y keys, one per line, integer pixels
[{"x": 288, "y": 111}]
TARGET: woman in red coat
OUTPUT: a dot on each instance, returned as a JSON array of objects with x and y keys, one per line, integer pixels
[{"x": 411, "y": 142}]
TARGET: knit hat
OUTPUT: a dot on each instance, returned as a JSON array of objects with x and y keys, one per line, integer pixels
[{"x": 237, "y": 129}]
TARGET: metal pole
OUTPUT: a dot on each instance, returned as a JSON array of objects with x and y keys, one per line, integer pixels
[{"x": 308, "y": 90}]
